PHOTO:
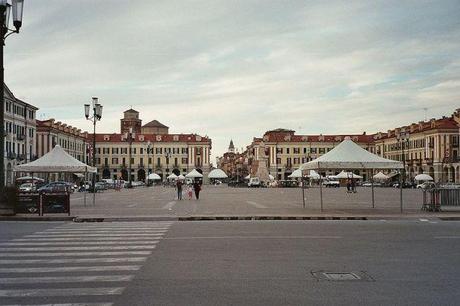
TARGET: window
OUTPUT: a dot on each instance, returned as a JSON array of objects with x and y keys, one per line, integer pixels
[
  {"x": 115, "y": 161},
  {"x": 322, "y": 150},
  {"x": 296, "y": 150},
  {"x": 287, "y": 150}
]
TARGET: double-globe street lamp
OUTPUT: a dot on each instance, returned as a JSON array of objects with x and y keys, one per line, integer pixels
[
  {"x": 94, "y": 117},
  {"x": 149, "y": 148},
  {"x": 5, "y": 7},
  {"x": 130, "y": 136},
  {"x": 403, "y": 139}
]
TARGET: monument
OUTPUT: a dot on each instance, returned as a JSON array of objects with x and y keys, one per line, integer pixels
[{"x": 262, "y": 160}]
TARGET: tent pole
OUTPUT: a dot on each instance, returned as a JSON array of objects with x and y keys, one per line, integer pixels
[
  {"x": 321, "y": 191},
  {"x": 84, "y": 186},
  {"x": 400, "y": 192},
  {"x": 372, "y": 185},
  {"x": 303, "y": 191}
]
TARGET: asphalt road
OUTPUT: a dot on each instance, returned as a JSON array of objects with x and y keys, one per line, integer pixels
[{"x": 231, "y": 263}]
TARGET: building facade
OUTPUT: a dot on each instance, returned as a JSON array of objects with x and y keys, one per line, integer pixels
[
  {"x": 287, "y": 151},
  {"x": 51, "y": 133},
  {"x": 160, "y": 153},
  {"x": 430, "y": 147},
  {"x": 20, "y": 133}
]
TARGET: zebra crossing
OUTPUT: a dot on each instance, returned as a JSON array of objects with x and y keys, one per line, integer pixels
[{"x": 76, "y": 264}]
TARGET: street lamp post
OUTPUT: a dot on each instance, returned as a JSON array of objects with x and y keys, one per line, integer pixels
[
  {"x": 5, "y": 8},
  {"x": 129, "y": 136},
  {"x": 149, "y": 147},
  {"x": 403, "y": 138},
  {"x": 94, "y": 117}
]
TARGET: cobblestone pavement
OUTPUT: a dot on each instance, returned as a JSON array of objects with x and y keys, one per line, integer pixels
[{"x": 223, "y": 200}]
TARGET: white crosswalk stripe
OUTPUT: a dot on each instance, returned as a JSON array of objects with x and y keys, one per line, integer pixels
[{"x": 80, "y": 258}]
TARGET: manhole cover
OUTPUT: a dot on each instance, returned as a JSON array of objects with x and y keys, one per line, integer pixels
[{"x": 341, "y": 276}]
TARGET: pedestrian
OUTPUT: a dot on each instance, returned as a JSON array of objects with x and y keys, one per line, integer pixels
[
  {"x": 179, "y": 189},
  {"x": 348, "y": 185},
  {"x": 197, "y": 188},
  {"x": 190, "y": 191},
  {"x": 353, "y": 185}
]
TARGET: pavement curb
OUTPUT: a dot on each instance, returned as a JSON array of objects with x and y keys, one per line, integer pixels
[
  {"x": 36, "y": 218},
  {"x": 267, "y": 218}
]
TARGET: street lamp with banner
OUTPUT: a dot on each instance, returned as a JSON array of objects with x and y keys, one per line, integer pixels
[{"x": 5, "y": 8}]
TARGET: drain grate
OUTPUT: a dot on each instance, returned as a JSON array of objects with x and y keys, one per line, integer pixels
[{"x": 341, "y": 276}]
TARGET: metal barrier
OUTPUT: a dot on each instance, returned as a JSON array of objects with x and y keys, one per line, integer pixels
[
  {"x": 43, "y": 203},
  {"x": 435, "y": 198}
]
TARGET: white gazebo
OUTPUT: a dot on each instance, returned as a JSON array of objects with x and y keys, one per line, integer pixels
[
  {"x": 154, "y": 177},
  {"x": 296, "y": 174},
  {"x": 217, "y": 174},
  {"x": 57, "y": 161},
  {"x": 348, "y": 155},
  {"x": 423, "y": 177},
  {"x": 381, "y": 176},
  {"x": 347, "y": 175},
  {"x": 194, "y": 174}
]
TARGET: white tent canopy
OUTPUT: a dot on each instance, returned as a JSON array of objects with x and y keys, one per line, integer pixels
[
  {"x": 247, "y": 177},
  {"x": 56, "y": 160},
  {"x": 193, "y": 174},
  {"x": 349, "y": 155},
  {"x": 154, "y": 177},
  {"x": 423, "y": 177},
  {"x": 381, "y": 176},
  {"x": 346, "y": 175},
  {"x": 217, "y": 174},
  {"x": 314, "y": 175},
  {"x": 172, "y": 176},
  {"x": 181, "y": 177},
  {"x": 296, "y": 174},
  {"x": 29, "y": 178},
  {"x": 271, "y": 177}
]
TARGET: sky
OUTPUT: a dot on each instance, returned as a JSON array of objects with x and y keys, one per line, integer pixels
[{"x": 235, "y": 69}]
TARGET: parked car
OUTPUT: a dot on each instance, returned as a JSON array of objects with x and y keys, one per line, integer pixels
[
  {"x": 426, "y": 185},
  {"x": 450, "y": 185},
  {"x": 331, "y": 184},
  {"x": 27, "y": 187},
  {"x": 369, "y": 184},
  {"x": 55, "y": 187},
  {"x": 254, "y": 182},
  {"x": 288, "y": 183},
  {"x": 237, "y": 184},
  {"x": 405, "y": 185}
]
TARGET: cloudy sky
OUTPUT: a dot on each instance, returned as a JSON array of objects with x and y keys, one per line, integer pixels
[{"x": 235, "y": 69}]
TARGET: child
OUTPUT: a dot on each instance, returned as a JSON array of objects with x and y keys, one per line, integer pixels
[{"x": 190, "y": 192}]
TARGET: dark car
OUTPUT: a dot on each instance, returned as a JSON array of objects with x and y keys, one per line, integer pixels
[
  {"x": 237, "y": 184},
  {"x": 55, "y": 187},
  {"x": 288, "y": 184}
]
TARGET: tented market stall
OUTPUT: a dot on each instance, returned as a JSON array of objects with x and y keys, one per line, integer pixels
[{"x": 348, "y": 155}]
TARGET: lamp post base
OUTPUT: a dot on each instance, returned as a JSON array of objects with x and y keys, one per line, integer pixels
[{"x": 5, "y": 210}]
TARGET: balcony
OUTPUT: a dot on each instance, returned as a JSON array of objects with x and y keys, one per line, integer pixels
[
  {"x": 21, "y": 137},
  {"x": 11, "y": 155},
  {"x": 429, "y": 161}
]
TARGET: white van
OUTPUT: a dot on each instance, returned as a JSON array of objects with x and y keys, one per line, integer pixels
[{"x": 254, "y": 182}]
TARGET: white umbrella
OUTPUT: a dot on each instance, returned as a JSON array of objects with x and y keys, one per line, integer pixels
[
  {"x": 172, "y": 176},
  {"x": 217, "y": 174},
  {"x": 29, "y": 178},
  {"x": 423, "y": 177},
  {"x": 346, "y": 175},
  {"x": 193, "y": 174},
  {"x": 247, "y": 177},
  {"x": 296, "y": 174},
  {"x": 314, "y": 175},
  {"x": 154, "y": 177},
  {"x": 271, "y": 177},
  {"x": 181, "y": 177},
  {"x": 381, "y": 176}
]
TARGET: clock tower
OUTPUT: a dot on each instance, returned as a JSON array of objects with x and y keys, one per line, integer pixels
[{"x": 130, "y": 120}]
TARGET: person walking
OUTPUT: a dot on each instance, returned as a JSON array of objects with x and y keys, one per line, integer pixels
[
  {"x": 348, "y": 185},
  {"x": 179, "y": 189},
  {"x": 197, "y": 188},
  {"x": 190, "y": 192}
]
